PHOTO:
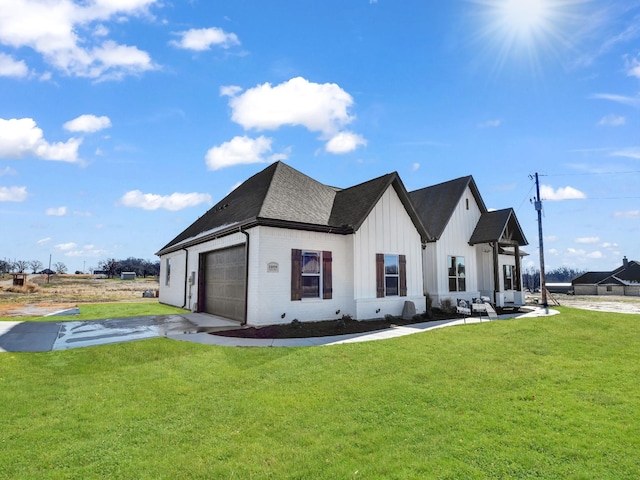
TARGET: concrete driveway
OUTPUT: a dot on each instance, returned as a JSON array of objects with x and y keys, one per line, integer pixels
[{"x": 47, "y": 336}]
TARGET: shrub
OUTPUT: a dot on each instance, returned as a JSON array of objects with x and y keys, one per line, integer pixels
[{"x": 447, "y": 306}]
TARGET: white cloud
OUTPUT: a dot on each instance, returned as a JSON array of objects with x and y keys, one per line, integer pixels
[
  {"x": 297, "y": 102},
  {"x": 588, "y": 240},
  {"x": 609, "y": 244},
  {"x": 612, "y": 120},
  {"x": 86, "y": 251},
  {"x": 56, "y": 211},
  {"x": 595, "y": 255},
  {"x": 415, "y": 166},
  {"x": 173, "y": 202},
  {"x": 20, "y": 137},
  {"x": 43, "y": 240},
  {"x": 7, "y": 171},
  {"x": 230, "y": 90},
  {"x": 490, "y": 124},
  {"x": 551, "y": 238},
  {"x": 628, "y": 214},
  {"x": 65, "y": 33},
  {"x": 12, "y": 68},
  {"x": 631, "y": 152},
  {"x": 241, "y": 151},
  {"x": 344, "y": 142},
  {"x": 87, "y": 123},
  {"x": 66, "y": 246},
  {"x": 631, "y": 101},
  {"x": 13, "y": 194},
  {"x": 563, "y": 193},
  {"x": 201, "y": 39},
  {"x": 633, "y": 68}
]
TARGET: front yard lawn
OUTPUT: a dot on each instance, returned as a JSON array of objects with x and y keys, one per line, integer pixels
[{"x": 553, "y": 397}]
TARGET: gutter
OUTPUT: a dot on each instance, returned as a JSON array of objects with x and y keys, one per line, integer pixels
[
  {"x": 246, "y": 276},
  {"x": 186, "y": 277}
]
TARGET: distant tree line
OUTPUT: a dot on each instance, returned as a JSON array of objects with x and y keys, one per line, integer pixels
[
  {"x": 531, "y": 276},
  {"x": 111, "y": 267},
  {"x": 24, "y": 266},
  {"x": 142, "y": 268}
]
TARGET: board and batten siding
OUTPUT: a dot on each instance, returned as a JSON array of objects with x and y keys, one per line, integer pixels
[
  {"x": 389, "y": 230},
  {"x": 269, "y": 295},
  {"x": 454, "y": 241}
]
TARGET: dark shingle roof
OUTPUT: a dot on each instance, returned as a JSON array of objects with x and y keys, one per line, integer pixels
[
  {"x": 282, "y": 196},
  {"x": 498, "y": 225},
  {"x": 436, "y": 204},
  {"x": 625, "y": 274}
]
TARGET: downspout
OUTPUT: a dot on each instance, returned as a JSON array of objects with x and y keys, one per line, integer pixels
[
  {"x": 246, "y": 276},
  {"x": 186, "y": 277}
]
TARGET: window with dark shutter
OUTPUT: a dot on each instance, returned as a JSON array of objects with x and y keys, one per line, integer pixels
[{"x": 311, "y": 274}]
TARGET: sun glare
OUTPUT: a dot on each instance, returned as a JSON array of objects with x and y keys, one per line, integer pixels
[
  {"x": 523, "y": 16},
  {"x": 523, "y": 30}
]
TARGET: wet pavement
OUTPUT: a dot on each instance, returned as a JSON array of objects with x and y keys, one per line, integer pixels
[
  {"x": 192, "y": 327},
  {"x": 47, "y": 336}
]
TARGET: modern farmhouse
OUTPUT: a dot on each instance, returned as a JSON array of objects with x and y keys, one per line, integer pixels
[{"x": 283, "y": 246}]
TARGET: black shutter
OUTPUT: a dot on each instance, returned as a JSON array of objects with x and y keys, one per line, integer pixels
[
  {"x": 296, "y": 274},
  {"x": 379, "y": 275}
]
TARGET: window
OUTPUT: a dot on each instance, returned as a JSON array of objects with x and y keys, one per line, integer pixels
[
  {"x": 609, "y": 288},
  {"x": 167, "y": 272},
  {"x": 507, "y": 271},
  {"x": 391, "y": 275},
  {"x": 391, "y": 278},
  {"x": 457, "y": 275},
  {"x": 311, "y": 274},
  {"x": 467, "y": 203}
]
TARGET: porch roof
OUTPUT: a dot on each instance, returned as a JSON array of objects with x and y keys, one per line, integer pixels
[{"x": 498, "y": 226}]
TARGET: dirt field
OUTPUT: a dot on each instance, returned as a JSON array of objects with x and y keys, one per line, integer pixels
[
  {"x": 612, "y": 303},
  {"x": 40, "y": 297}
]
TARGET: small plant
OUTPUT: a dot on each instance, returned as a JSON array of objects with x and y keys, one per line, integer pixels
[
  {"x": 295, "y": 323},
  {"x": 389, "y": 318},
  {"x": 447, "y": 306},
  {"x": 347, "y": 318}
]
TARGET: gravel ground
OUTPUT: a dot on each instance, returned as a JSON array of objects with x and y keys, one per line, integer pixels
[{"x": 609, "y": 303}]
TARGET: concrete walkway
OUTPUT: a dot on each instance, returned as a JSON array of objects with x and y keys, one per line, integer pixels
[{"x": 191, "y": 327}]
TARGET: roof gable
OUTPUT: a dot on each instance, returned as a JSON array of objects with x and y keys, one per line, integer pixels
[
  {"x": 435, "y": 204},
  {"x": 498, "y": 226}
]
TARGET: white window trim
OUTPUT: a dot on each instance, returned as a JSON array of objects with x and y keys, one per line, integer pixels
[{"x": 319, "y": 275}]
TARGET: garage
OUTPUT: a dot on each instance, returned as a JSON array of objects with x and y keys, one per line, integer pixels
[{"x": 224, "y": 283}]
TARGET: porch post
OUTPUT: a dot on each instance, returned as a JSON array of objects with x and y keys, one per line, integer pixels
[
  {"x": 496, "y": 273},
  {"x": 518, "y": 271}
]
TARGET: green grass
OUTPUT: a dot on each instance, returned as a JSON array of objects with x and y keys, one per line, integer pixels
[
  {"x": 99, "y": 311},
  {"x": 554, "y": 397}
]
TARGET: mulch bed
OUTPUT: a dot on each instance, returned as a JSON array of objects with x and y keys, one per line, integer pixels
[{"x": 326, "y": 328}]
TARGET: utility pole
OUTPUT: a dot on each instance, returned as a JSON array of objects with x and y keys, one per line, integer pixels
[{"x": 543, "y": 282}]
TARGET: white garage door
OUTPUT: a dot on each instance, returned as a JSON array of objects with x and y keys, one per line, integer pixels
[{"x": 225, "y": 283}]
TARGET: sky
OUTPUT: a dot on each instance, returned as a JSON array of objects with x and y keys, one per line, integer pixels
[{"x": 123, "y": 121}]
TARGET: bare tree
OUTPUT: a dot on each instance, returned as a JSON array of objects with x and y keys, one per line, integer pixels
[
  {"x": 60, "y": 267},
  {"x": 35, "y": 265},
  {"x": 110, "y": 267},
  {"x": 20, "y": 265}
]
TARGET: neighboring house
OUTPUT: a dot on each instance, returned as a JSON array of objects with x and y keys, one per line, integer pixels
[
  {"x": 624, "y": 280},
  {"x": 283, "y": 246},
  {"x": 474, "y": 252}
]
